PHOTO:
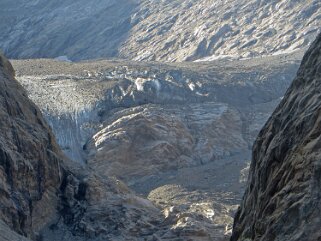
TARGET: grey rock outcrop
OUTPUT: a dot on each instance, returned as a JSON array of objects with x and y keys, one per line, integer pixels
[
  {"x": 282, "y": 199},
  {"x": 176, "y": 30},
  {"x": 150, "y": 139},
  {"x": 99, "y": 208}
]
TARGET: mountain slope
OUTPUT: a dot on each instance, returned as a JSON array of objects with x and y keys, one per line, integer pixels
[
  {"x": 156, "y": 30},
  {"x": 282, "y": 200},
  {"x": 191, "y": 30}
]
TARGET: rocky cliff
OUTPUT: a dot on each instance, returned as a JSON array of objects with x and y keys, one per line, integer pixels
[
  {"x": 282, "y": 199},
  {"x": 30, "y": 171},
  {"x": 176, "y": 30}
]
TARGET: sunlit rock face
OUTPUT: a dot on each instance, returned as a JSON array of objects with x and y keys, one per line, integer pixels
[
  {"x": 174, "y": 30},
  {"x": 149, "y": 139},
  {"x": 282, "y": 198}
]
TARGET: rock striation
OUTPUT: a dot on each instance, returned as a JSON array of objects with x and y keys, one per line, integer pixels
[
  {"x": 282, "y": 199},
  {"x": 147, "y": 140}
]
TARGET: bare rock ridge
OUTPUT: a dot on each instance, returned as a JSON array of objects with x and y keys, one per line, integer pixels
[
  {"x": 30, "y": 159},
  {"x": 282, "y": 199},
  {"x": 172, "y": 31}
]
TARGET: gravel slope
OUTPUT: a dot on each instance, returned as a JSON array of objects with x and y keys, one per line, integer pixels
[{"x": 176, "y": 30}]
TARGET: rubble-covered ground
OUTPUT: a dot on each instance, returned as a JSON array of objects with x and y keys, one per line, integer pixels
[{"x": 149, "y": 30}]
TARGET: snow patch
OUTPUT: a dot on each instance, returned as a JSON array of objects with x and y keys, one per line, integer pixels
[
  {"x": 63, "y": 58},
  {"x": 140, "y": 83}
]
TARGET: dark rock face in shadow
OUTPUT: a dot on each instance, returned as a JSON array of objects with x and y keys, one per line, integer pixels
[
  {"x": 29, "y": 159},
  {"x": 282, "y": 200}
]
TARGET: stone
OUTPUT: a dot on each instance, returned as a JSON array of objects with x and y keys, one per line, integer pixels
[
  {"x": 282, "y": 199},
  {"x": 30, "y": 159}
]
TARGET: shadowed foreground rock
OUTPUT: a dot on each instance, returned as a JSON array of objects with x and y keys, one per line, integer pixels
[
  {"x": 282, "y": 200},
  {"x": 29, "y": 159}
]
